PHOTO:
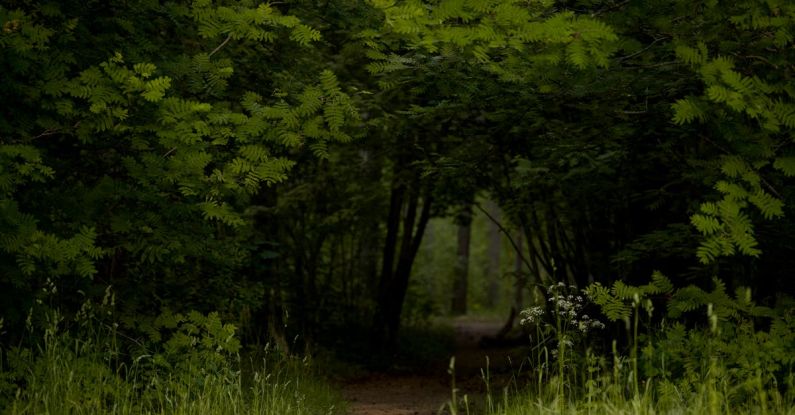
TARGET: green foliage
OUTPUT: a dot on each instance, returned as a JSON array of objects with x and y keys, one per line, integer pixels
[
  {"x": 193, "y": 366},
  {"x": 723, "y": 223},
  {"x": 721, "y": 303},
  {"x": 750, "y": 98},
  {"x": 508, "y": 38},
  {"x": 732, "y": 349},
  {"x": 688, "y": 110},
  {"x": 135, "y": 149},
  {"x": 201, "y": 155},
  {"x": 739, "y": 361},
  {"x": 246, "y": 22},
  {"x": 619, "y": 301},
  {"x": 192, "y": 342}
]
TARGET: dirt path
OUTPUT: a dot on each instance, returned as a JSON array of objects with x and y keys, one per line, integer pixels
[{"x": 428, "y": 392}]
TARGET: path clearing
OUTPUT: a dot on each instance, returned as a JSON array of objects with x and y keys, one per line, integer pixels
[{"x": 428, "y": 392}]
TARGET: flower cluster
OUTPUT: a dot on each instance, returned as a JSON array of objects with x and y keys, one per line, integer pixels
[
  {"x": 566, "y": 307},
  {"x": 531, "y": 315}
]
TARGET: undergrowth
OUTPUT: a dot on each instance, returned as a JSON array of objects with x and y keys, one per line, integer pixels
[
  {"x": 191, "y": 364},
  {"x": 711, "y": 353}
]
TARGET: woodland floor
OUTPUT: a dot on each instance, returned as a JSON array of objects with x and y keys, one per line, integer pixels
[{"x": 427, "y": 390}]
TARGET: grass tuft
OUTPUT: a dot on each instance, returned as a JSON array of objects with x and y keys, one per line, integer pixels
[{"x": 67, "y": 375}]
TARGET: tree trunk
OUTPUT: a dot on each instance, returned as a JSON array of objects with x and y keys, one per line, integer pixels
[
  {"x": 519, "y": 272},
  {"x": 494, "y": 249},
  {"x": 395, "y": 275},
  {"x": 461, "y": 270},
  {"x": 519, "y": 286}
]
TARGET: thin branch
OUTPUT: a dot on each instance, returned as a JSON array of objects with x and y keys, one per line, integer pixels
[
  {"x": 758, "y": 58},
  {"x": 49, "y": 131},
  {"x": 228, "y": 38},
  {"x": 116, "y": 331},
  {"x": 770, "y": 187},
  {"x": 53, "y": 131},
  {"x": 607, "y": 9},
  {"x": 169, "y": 152},
  {"x": 623, "y": 58},
  {"x": 508, "y": 234},
  {"x": 653, "y": 65}
]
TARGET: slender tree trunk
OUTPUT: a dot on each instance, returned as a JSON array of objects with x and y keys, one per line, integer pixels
[
  {"x": 461, "y": 270},
  {"x": 381, "y": 333},
  {"x": 518, "y": 297},
  {"x": 518, "y": 270},
  {"x": 392, "y": 230},
  {"x": 400, "y": 282},
  {"x": 494, "y": 250},
  {"x": 395, "y": 275}
]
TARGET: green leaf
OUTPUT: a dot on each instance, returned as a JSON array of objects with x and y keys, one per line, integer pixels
[
  {"x": 687, "y": 110},
  {"x": 155, "y": 89},
  {"x": 785, "y": 165}
]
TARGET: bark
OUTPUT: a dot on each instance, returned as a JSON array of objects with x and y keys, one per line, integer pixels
[
  {"x": 396, "y": 265},
  {"x": 521, "y": 281},
  {"x": 494, "y": 250},
  {"x": 519, "y": 271},
  {"x": 461, "y": 270},
  {"x": 400, "y": 280}
]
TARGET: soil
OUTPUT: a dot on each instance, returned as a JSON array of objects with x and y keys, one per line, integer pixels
[{"x": 428, "y": 390}]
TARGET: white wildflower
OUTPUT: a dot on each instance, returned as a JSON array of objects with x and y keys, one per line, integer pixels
[{"x": 531, "y": 315}]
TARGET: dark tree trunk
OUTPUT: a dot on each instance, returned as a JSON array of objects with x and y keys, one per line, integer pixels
[
  {"x": 461, "y": 270},
  {"x": 521, "y": 280},
  {"x": 395, "y": 274},
  {"x": 519, "y": 268},
  {"x": 494, "y": 250}
]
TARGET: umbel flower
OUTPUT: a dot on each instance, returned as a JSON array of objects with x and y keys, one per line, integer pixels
[{"x": 566, "y": 307}]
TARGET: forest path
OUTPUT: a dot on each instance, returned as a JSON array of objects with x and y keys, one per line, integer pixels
[{"x": 427, "y": 390}]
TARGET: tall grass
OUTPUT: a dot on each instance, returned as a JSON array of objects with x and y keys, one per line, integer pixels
[
  {"x": 599, "y": 387},
  {"x": 66, "y": 374},
  {"x": 656, "y": 397},
  {"x": 735, "y": 364}
]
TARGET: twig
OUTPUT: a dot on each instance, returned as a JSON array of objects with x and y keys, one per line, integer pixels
[
  {"x": 653, "y": 65},
  {"x": 116, "y": 331},
  {"x": 623, "y": 58},
  {"x": 758, "y": 58},
  {"x": 49, "y": 131},
  {"x": 607, "y": 9},
  {"x": 508, "y": 234},
  {"x": 228, "y": 38},
  {"x": 53, "y": 131},
  {"x": 770, "y": 187},
  {"x": 169, "y": 152}
]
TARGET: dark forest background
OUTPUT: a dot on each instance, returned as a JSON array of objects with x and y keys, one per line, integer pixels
[{"x": 311, "y": 170}]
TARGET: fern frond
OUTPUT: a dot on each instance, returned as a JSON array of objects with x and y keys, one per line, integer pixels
[
  {"x": 706, "y": 224},
  {"x": 687, "y": 110},
  {"x": 785, "y": 165},
  {"x": 304, "y": 34}
]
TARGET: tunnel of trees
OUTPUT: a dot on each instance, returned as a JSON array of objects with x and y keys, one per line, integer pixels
[{"x": 280, "y": 163}]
